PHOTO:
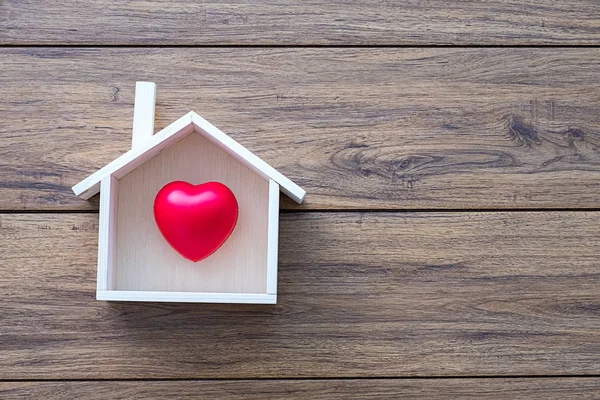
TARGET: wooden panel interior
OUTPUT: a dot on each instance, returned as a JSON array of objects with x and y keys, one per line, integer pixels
[{"x": 239, "y": 266}]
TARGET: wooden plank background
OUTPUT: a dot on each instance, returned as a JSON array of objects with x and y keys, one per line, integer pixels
[
  {"x": 368, "y": 389},
  {"x": 288, "y": 22},
  {"x": 449, "y": 243},
  {"x": 435, "y": 294},
  {"x": 357, "y": 128}
]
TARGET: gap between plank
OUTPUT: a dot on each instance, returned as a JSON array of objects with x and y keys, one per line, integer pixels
[
  {"x": 318, "y": 378},
  {"x": 302, "y": 46}
]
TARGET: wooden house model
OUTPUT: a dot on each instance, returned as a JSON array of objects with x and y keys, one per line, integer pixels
[{"x": 135, "y": 263}]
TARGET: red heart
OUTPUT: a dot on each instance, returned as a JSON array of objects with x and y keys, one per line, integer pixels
[{"x": 195, "y": 219}]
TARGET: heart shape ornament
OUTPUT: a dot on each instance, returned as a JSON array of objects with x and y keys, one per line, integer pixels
[{"x": 195, "y": 219}]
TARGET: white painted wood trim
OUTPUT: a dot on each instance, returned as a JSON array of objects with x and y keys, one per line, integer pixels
[
  {"x": 143, "y": 113},
  {"x": 185, "y": 297},
  {"x": 112, "y": 231},
  {"x": 171, "y": 134},
  {"x": 248, "y": 158},
  {"x": 107, "y": 233},
  {"x": 272, "y": 237},
  {"x": 134, "y": 157}
]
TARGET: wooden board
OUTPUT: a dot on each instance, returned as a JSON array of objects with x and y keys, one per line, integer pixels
[
  {"x": 357, "y": 127},
  {"x": 196, "y": 160},
  {"x": 287, "y": 22},
  {"x": 335, "y": 389},
  {"x": 360, "y": 295},
  {"x": 373, "y": 303}
]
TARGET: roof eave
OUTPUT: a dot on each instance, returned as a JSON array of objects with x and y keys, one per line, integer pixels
[
  {"x": 248, "y": 158},
  {"x": 123, "y": 164}
]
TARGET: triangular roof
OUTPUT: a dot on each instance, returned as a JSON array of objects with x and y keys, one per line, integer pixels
[{"x": 173, "y": 133}]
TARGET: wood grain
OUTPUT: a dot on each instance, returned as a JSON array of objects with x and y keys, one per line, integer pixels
[
  {"x": 335, "y": 389},
  {"x": 196, "y": 160},
  {"x": 360, "y": 295},
  {"x": 286, "y": 22},
  {"x": 358, "y": 128}
]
